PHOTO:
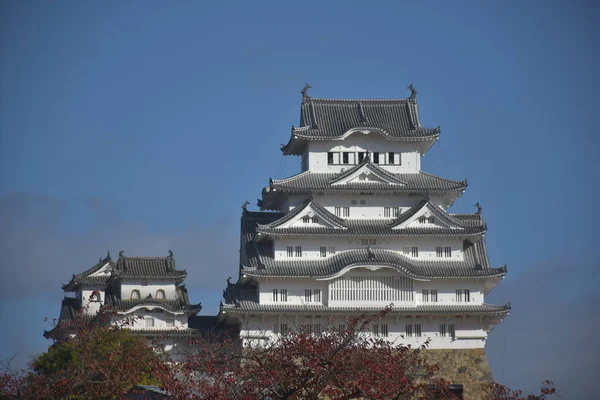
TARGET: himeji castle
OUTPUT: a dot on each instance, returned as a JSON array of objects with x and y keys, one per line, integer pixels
[
  {"x": 362, "y": 227},
  {"x": 145, "y": 294}
]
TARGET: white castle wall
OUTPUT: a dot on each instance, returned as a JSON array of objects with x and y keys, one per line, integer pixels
[
  {"x": 311, "y": 246},
  {"x": 373, "y": 142},
  {"x": 374, "y": 207},
  {"x": 152, "y": 287}
]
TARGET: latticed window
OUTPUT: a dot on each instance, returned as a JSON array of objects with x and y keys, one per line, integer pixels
[
  {"x": 443, "y": 330},
  {"x": 438, "y": 251},
  {"x": 317, "y": 295},
  {"x": 298, "y": 251},
  {"x": 323, "y": 251},
  {"x": 149, "y": 322},
  {"x": 315, "y": 219},
  {"x": 409, "y": 330},
  {"x": 372, "y": 288},
  {"x": 279, "y": 294},
  {"x": 306, "y": 219},
  {"x": 331, "y": 249},
  {"x": 463, "y": 295},
  {"x": 418, "y": 330},
  {"x": 448, "y": 251},
  {"x": 363, "y": 202},
  {"x": 329, "y": 157},
  {"x": 341, "y": 328},
  {"x": 415, "y": 251},
  {"x": 391, "y": 158},
  {"x": 290, "y": 251},
  {"x": 431, "y": 220},
  {"x": 308, "y": 295},
  {"x": 368, "y": 242},
  {"x": 338, "y": 211},
  {"x": 451, "y": 331},
  {"x": 434, "y": 297},
  {"x": 170, "y": 322},
  {"x": 284, "y": 329},
  {"x": 160, "y": 294},
  {"x": 376, "y": 157},
  {"x": 422, "y": 219},
  {"x": 375, "y": 330},
  {"x": 346, "y": 211},
  {"x": 425, "y": 295}
]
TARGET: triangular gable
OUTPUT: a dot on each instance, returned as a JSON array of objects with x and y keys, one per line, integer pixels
[
  {"x": 104, "y": 270},
  {"x": 317, "y": 216},
  {"x": 367, "y": 173},
  {"x": 426, "y": 215}
]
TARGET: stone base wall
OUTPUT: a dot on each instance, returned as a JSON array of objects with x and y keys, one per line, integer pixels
[{"x": 469, "y": 367}]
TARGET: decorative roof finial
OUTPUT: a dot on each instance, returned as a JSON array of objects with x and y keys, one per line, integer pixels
[
  {"x": 413, "y": 92},
  {"x": 479, "y": 208},
  {"x": 108, "y": 254},
  {"x": 170, "y": 253},
  {"x": 121, "y": 254},
  {"x": 304, "y": 92},
  {"x": 245, "y": 205},
  {"x": 229, "y": 280}
]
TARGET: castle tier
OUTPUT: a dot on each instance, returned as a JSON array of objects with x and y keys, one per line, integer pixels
[
  {"x": 144, "y": 293},
  {"x": 362, "y": 227}
]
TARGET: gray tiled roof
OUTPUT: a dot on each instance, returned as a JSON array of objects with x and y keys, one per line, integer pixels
[
  {"x": 309, "y": 182},
  {"x": 70, "y": 310},
  {"x": 245, "y": 306},
  {"x": 373, "y": 227},
  {"x": 84, "y": 278},
  {"x": 256, "y": 258},
  {"x": 148, "y": 267},
  {"x": 327, "y": 119}
]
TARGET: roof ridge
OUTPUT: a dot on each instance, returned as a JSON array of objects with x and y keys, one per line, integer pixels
[{"x": 333, "y": 100}]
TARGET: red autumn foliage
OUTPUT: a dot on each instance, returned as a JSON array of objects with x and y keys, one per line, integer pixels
[{"x": 106, "y": 362}]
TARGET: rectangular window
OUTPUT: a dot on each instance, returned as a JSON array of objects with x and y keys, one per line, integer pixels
[
  {"x": 346, "y": 211},
  {"x": 406, "y": 250},
  {"x": 390, "y": 158},
  {"x": 434, "y": 295},
  {"x": 331, "y": 250},
  {"x": 422, "y": 219},
  {"x": 372, "y": 242},
  {"x": 315, "y": 219},
  {"x": 459, "y": 295},
  {"x": 317, "y": 294},
  {"x": 451, "y": 331},
  {"x": 467, "y": 295},
  {"x": 375, "y": 330},
  {"x": 442, "y": 330},
  {"x": 275, "y": 295},
  {"x": 438, "y": 251},
  {"x": 395, "y": 212},
  {"x": 361, "y": 156},
  {"x": 170, "y": 322},
  {"x": 338, "y": 211},
  {"x": 317, "y": 329},
  {"x": 298, "y": 251},
  {"x": 341, "y": 328},
  {"x": 290, "y": 251},
  {"x": 386, "y": 212},
  {"x": 447, "y": 251},
  {"x": 418, "y": 330},
  {"x": 353, "y": 202},
  {"x": 376, "y": 157},
  {"x": 409, "y": 330},
  {"x": 345, "y": 157},
  {"x": 308, "y": 295},
  {"x": 425, "y": 295},
  {"x": 363, "y": 202},
  {"x": 323, "y": 250},
  {"x": 283, "y": 329},
  {"x": 149, "y": 322},
  {"x": 431, "y": 220},
  {"x": 384, "y": 330},
  {"x": 415, "y": 251},
  {"x": 283, "y": 294},
  {"x": 306, "y": 219},
  {"x": 330, "y": 157},
  {"x": 368, "y": 242}
]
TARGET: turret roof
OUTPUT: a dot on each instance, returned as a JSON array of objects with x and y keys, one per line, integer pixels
[
  {"x": 257, "y": 259},
  {"x": 331, "y": 119},
  {"x": 462, "y": 226}
]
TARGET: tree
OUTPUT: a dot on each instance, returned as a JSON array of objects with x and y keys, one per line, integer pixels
[{"x": 103, "y": 362}]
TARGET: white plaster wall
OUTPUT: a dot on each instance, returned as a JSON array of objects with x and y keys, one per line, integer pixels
[
  {"x": 160, "y": 319},
  {"x": 311, "y": 246},
  {"x": 470, "y": 332},
  {"x": 374, "y": 207},
  {"x": 295, "y": 288},
  {"x": 153, "y": 285},
  {"x": 446, "y": 290},
  {"x": 92, "y": 306},
  {"x": 373, "y": 142}
]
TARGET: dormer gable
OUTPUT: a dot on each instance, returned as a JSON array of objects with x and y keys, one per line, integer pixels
[
  {"x": 366, "y": 172},
  {"x": 426, "y": 215},
  {"x": 309, "y": 214}
]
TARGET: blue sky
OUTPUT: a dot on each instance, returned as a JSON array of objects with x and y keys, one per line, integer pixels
[{"x": 144, "y": 126}]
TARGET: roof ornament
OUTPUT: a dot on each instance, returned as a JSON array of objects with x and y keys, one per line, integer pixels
[
  {"x": 170, "y": 254},
  {"x": 370, "y": 253},
  {"x": 413, "y": 92},
  {"x": 479, "y": 208},
  {"x": 108, "y": 254},
  {"x": 245, "y": 206},
  {"x": 304, "y": 91},
  {"x": 121, "y": 254},
  {"x": 229, "y": 280}
]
